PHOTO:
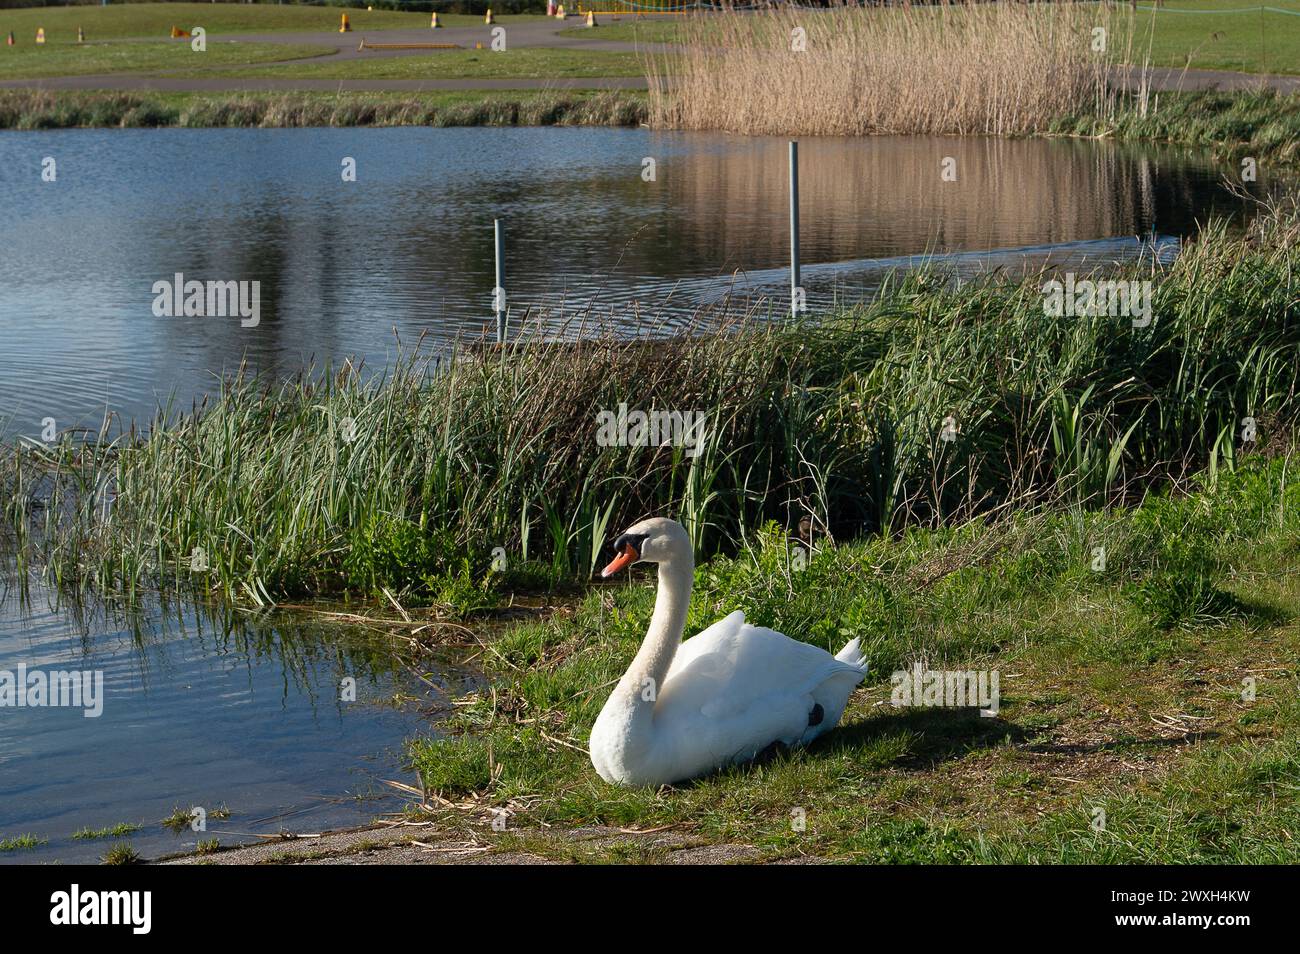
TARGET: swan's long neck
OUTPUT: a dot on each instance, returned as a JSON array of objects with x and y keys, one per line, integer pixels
[{"x": 640, "y": 686}]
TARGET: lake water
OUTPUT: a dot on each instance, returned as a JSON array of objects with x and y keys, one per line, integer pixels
[
  {"x": 247, "y": 714},
  {"x": 407, "y": 248},
  {"x": 241, "y": 715}
]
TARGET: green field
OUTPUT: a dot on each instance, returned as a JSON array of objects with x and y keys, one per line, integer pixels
[
  {"x": 72, "y": 59},
  {"x": 156, "y": 20}
]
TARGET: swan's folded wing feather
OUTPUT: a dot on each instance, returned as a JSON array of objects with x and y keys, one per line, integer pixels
[{"x": 735, "y": 667}]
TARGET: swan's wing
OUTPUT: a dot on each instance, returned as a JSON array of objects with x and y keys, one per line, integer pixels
[
  {"x": 706, "y": 641},
  {"x": 732, "y": 668}
]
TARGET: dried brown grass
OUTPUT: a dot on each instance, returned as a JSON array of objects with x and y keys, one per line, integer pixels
[{"x": 993, "y": 68}]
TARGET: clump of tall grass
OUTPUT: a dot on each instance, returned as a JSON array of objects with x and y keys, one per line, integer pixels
[
  {"x": 932, "y": 404},
  {"x": 44, "y": 109},
  {"x": 962, "y": 68}
]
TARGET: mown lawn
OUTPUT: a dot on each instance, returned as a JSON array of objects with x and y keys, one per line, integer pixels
[
  {"x": 156, "y": 19},
  {"x": 71, "y": 59},
  {"x": 1149, "y": 709}
]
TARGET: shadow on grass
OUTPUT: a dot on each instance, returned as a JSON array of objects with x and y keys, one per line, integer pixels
[{"x": 928, "y": 736}]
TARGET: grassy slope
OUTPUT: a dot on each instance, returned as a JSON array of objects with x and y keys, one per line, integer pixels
[
  {"x": 156, "y": 20},
  {"x": 65, "y": 59},
  {"x": 1178, "y": 35},
  {"x": 1121, "y": 690}
]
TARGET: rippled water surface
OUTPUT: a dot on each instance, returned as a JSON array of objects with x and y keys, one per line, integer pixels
[
  {"x": 245, "y": 715},
  {"x": 408, "y": 247}
]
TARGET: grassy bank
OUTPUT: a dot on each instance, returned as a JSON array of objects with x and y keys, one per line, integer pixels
[
  {"x": 1264, "y": 125},
  {"x": 1148, "y": 708},
  {"x": 40, "y": 109},
  {"x": 929, "y": 406}
]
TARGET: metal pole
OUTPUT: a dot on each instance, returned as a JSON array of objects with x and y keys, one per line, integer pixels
[
  {"x": 794, "y": 228},
  {"x": 499, "y": 292}
]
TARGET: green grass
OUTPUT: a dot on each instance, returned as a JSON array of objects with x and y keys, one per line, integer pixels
[
  {"x": 1264, "y": 125},
  {"x": 1085, "y": 669},
  {"x": 120, "y": 830},
  {"x": 1254, "y": 41},
  {"x": 21, "y": 843},
  {"x": 64, "y": 59},
  {"x": 119, "y": 21},
  {"x": 37, "y": 109},
  {"x": 121, "y": 853},
  {"x": 520, "y": 62}
]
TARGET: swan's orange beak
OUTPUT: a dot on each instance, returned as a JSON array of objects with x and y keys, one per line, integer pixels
[{"x": 626, "y": 558}]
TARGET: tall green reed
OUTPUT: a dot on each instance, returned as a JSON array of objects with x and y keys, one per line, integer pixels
[{"x": 933, "y": 404}]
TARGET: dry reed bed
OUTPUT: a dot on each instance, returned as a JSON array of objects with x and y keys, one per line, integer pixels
[{"x": 994, "y": 69}]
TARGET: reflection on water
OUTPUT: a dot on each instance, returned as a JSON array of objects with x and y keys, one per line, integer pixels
[
  {"x": 242, "y": 713},
  {"x": 408, "y": 246}
]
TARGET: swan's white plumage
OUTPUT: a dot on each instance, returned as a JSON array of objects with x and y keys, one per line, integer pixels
[{"x": 722, "y": 696}]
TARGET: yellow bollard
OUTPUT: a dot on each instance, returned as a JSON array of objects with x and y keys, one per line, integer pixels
[
  {"x": 488, "y": 19},
  {"x": 81, "y": 35},
  {"x": 478, "y": 45},
  {"x": 40, "y": 35},
  {"x": 591, "y": 18},
  {"x": 559, "y": 12},
  {"x": 344, "y": 26},
  {"x": 433, "y": 22}
]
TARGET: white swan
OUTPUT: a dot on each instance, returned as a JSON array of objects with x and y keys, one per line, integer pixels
[{"x": 684, "y": 709}]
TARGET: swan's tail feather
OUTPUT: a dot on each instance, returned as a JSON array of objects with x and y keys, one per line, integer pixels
[{"x": 852, "y": 654}]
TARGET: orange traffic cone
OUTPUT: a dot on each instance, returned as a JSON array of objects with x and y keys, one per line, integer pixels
[
  {"x": 591, "y": 18},
  {"x": 344, "y": 26},
  {"x": 179, "y": 34},
  {"x": 488, "y": 19},
  {"x": 10, "y": 41},
  {"x": 433, "y": 22},
  {"x": 40, "y": 34}
]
